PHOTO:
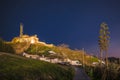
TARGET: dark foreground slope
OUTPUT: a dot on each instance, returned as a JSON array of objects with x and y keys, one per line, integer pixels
[{"x": 13, "y": 67}]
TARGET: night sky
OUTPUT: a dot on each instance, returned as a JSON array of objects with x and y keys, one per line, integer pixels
[{"x": 72, "y": 22}]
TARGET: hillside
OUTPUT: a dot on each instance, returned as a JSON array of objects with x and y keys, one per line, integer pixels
[
  {"x": 43, "y": 49},
  {"x": 62, "y": 52},
  {"x": 14, "y": 67}
]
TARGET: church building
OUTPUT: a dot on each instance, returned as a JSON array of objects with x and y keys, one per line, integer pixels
[{"x": 25, "y": 38}]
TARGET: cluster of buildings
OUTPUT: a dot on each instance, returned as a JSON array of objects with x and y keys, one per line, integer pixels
[{"x": 53, "y": 60}]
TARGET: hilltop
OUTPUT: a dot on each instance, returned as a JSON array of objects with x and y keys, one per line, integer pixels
[{"x": 25, "y": 44}]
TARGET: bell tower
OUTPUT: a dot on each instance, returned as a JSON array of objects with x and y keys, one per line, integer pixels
[{"x": 21, "y": 29}]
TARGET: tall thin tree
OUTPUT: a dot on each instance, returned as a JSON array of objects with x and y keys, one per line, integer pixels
[{"x": 104, "y": 41}]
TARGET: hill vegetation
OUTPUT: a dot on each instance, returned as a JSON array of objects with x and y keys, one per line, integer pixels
[
  {"x": 61, "y": 51},
  {"x": 14, "y": 67}
]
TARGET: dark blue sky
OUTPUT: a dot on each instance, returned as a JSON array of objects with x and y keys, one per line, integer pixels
[{"x": 73, "y": 22}]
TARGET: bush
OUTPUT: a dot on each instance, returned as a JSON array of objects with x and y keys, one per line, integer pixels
[
  {"x": 6, "y": 47},
  {"x": 102, "y": 73}
]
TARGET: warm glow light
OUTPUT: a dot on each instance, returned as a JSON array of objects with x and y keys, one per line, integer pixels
[{"x": 32, "y": 41}]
